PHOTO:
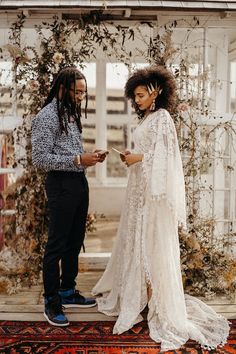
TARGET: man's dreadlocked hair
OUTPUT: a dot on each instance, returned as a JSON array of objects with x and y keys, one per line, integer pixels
[
  {"x": 65, "y": 106},
  {"x": 157, "y": 76}
]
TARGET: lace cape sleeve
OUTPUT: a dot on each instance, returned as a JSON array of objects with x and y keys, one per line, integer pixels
[{"x": 162, "y": 164}]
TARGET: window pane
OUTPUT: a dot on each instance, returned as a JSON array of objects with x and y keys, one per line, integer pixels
[
  {"x": 227, "y": 173},
  {"x": 117, "y": 138},
  {"x": 88, "y": 134},
  {"x": 233, "y": 86},
  {"x": 189, "y": 63},
  {"x": 221, "y": 142},
  {"x": 89, "y": 70},
  {"x": 7, "y": 180},
  {"x": 222, "y": 200},
  {"x": 6, "y": 87},
  {"x": 7, "y": 151},
  {"x": 207, "y": 141},
  {"x": 226, "y": 204},
  {"x": 224, "y": 227},
  {"x": 6, "y": 73},
  {"x": 227, "y": 144},
  {"x": 136, "y": 66},
  {"x": 89, "y": 130},
  {"x": 206, "y": 169},
  {"x": 90, "y": 73},
  {"x": 116, "y": 77},
  {"x": 235, "y": 205},
  {"x": 223, "y": 172},
  {"x": 223, "y": 240},
  {"x": 206, "y": 203}
]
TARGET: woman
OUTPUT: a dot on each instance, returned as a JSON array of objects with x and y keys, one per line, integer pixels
[{"x": 145, "y": 264}]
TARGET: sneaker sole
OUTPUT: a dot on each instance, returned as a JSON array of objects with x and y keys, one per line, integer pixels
[
  {"x": 55, "y": 324},
  {"x": 77, "y": 305}
]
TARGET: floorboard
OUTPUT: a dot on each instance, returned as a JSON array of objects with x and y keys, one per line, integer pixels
[{"x": 27, "y": 305}]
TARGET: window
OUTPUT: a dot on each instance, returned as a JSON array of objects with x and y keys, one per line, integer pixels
[
  {"x": 6, "y": 88},
  {"x": 233, "y": 86},
  {"x": 89, "y": 127}
]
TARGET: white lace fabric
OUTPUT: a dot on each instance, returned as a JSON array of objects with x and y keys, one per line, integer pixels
[{"x": 147, "y": 250}]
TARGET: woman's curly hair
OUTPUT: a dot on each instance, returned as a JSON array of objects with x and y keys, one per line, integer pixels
[{"x": 157, "y": 76}]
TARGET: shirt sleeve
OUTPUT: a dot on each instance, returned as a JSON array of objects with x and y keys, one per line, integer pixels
[{"x": 44, "y": 131}]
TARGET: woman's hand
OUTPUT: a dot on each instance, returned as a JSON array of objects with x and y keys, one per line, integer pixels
[
  {"x": 124, "y": 153},
  {"x": 131, "y": 159}
]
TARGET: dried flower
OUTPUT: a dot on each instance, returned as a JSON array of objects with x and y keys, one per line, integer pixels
[
  {"x": 33, "y": 85},
  {"x": 91, "y": 220},
  {"x": 183, "y": 107},
  {"x": 58, "y": 57},
  {"x": 206, "y": 271},
  {"x": 16, "y": 53}
]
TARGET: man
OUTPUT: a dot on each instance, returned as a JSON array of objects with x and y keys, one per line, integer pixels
[{"x": 57, "y": 148}]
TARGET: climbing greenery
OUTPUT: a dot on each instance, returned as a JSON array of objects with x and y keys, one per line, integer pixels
[{"x": 207, "y": 267}]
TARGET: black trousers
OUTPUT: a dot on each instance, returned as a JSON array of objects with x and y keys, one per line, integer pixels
[{"x": 68, "y": 197}]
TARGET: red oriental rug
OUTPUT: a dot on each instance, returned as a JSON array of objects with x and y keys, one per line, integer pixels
[{"x": 89, "y": 338}]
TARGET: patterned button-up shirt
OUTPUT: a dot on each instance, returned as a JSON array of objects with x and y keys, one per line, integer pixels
[{"x": 51, "y": 149}]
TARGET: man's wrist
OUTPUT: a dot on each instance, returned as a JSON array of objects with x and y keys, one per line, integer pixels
[{"x": 77, "y": 160}]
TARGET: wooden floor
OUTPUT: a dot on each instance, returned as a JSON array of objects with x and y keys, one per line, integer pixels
[{"x": 27, "y": 305}]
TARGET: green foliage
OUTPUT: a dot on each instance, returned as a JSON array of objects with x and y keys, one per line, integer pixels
[{"x": 65, "y": 43}]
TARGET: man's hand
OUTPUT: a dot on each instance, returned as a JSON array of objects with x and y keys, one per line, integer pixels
[
  {"x": 88, "y": 159},
  {"x": 102, "y": 154}
]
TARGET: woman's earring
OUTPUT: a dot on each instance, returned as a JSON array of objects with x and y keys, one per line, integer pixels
[{"x": 153, "y": 105}]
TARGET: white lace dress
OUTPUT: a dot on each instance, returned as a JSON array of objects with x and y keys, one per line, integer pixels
[{"x": 147, "y": 248}]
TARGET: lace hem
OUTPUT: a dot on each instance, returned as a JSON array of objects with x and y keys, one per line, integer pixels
[
  {"x": 171, "y": 339},
  {"x": 222, "y": 336},
  {"x": 120, "y": 327}
]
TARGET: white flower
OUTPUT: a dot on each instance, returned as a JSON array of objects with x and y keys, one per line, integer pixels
[{"x": 58, "y": 57}]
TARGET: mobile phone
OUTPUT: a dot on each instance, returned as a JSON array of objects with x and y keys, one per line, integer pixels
[
  {"x": 103, "y": 152},
  {"x": 119, "y": 152}
]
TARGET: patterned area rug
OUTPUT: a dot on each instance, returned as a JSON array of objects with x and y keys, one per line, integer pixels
[{"x": 89, "y": 338}]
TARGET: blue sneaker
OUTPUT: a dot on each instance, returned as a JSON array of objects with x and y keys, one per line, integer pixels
[
  {"x": 73, "y": 298},
  {"x": 54, "y": 313}
]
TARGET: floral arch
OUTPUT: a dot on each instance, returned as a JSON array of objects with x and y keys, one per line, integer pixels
[{"x": 208, "y": 266}]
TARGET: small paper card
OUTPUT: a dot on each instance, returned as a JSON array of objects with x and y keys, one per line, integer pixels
[{"x": 119, "y": 152}]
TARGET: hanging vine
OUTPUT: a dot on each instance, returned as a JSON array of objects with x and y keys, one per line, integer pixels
[{"x": 206, "y": 269}]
